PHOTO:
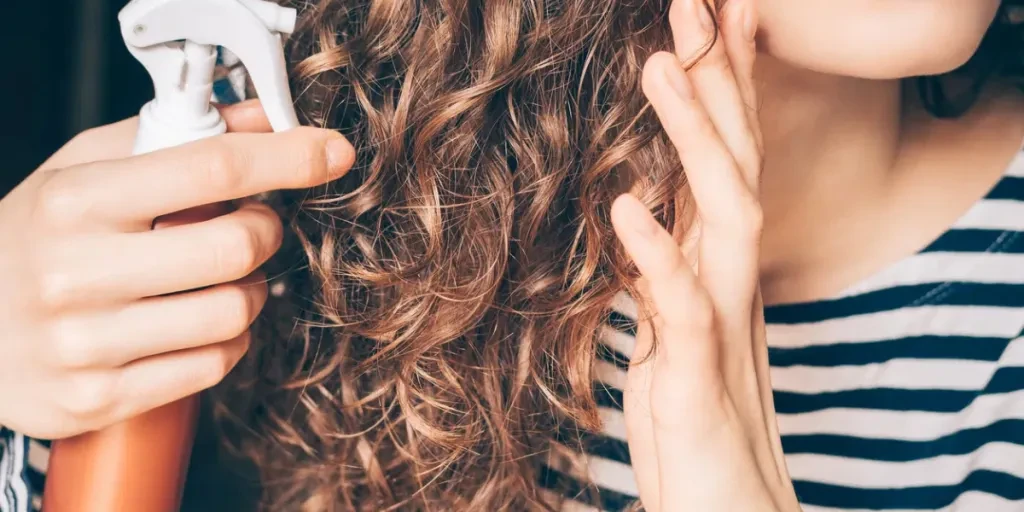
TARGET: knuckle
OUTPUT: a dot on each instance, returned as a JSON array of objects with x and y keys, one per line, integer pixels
[
  {"x": 745, "y": 220},
  {"x": 90, "y": 396},
  {"x": 225, "y": 358},
  {"x": 276, "y": 227},
  {"x": 239, "y": 347},
  {"x": 751, "y": 218},
  {"x": 60, "y": 201},
  {"x": 237, "y": 251},
  {"x": 268, "y": 222},
  {"x": 238, "y": 309},
  {"x": 221, "y": 165},
  {"x": 57, "y": 289},
  {"x": 72, "y": 345},
  {"x": 715, "y": 61}
]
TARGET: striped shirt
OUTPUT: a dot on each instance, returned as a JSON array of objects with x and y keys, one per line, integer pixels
[{"x": 903, "y": 393}]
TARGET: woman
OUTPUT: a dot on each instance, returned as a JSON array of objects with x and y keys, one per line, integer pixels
[{"x": 452, "y": 289}]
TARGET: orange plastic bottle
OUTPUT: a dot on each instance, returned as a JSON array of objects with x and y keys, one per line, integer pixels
[
  {"x": 140, "y": 465},
  {"x": 136, "y": 466}
]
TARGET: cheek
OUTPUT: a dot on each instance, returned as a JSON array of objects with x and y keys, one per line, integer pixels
[{"x": 875, "y": 39}]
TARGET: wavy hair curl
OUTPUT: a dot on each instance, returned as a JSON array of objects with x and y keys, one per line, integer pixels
[{"x": 439, "y": 333}]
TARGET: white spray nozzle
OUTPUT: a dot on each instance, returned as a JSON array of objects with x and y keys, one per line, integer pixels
[
  {"x": 276, "y": 18},
  {"x": 176, "y": 41}
]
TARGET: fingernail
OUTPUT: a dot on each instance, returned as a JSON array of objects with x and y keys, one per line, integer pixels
[
  {"x": 340, "y": 155},
  {"x": 704, "y": 15},
  {"x": 680, "y": 83}
]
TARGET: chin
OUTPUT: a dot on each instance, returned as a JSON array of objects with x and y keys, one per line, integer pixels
[{"x": 875, "y": 39}]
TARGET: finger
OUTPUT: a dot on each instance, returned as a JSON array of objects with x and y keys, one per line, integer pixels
[
  {"x": 136, "y": 190},
  {"x": 117, "y": 139},
  {"x": 669, "y": 292},
  {"x": 245, "y": 116},
  {"x": 770, "y": 436},
  {"x": 119, "y": 267},
  {"x": 711, "y": 171},
  {"x": 707, "y": 463},
  {"x": 160, "y": 325},
  {"x": 741, "y": 20},
  {"x": 699, "y": 43},
  {"x": 680, "y": 305},
  {"x": 730, "y": 216},
  {"x": 147, "y": 384},
  {"x": 636, "y": 406},
  {"x": 97, "y": 144},
  {"x": 193, "y": 215}
]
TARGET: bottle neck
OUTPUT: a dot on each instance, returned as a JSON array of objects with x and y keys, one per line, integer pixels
[{"x": 184, "y": 99}]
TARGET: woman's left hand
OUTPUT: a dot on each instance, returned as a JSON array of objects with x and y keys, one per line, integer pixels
[{"x": 699, "y": 412}]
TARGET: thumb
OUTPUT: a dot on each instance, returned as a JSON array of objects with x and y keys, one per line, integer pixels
[{"x": 246, "y": 116}]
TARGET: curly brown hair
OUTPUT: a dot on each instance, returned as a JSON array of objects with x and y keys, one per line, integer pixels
[{"x": 438, "y": 336}]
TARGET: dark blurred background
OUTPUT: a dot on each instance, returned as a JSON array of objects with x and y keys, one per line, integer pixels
[{"x": 65, "y": 70}]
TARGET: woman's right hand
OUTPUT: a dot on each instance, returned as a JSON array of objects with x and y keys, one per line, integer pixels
[{"x": 102, "y": 317}]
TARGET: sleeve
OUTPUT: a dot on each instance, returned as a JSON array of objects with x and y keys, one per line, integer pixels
[
  {"x": 15, "y": 493},
  {"x": 230, "y": 79}
]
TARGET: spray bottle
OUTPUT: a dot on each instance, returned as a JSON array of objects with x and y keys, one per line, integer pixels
[{"x": 140, "y": 464}]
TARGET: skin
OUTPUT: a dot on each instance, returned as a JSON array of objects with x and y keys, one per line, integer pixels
[
  {"x": 833, "y": 176},
  {"x": 123, "y": 318},
  {"x": 874, "y": 39},
  {"x": 856, "y": 174},
  {"x": 788, "y": 198},
  {"x": 699, "y": 414}
]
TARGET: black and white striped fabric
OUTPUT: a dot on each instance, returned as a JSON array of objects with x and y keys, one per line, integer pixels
[
  {"x": 22, "y": 466},
  {"x": 904, "y": 393}
]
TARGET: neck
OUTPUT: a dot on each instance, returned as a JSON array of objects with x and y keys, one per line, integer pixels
[{"x": 830, "y": 147}]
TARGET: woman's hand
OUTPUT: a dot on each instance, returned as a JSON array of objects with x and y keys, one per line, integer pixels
[
  {"x": 699, "y": 412},
  {"x": 102, "y": 317}
]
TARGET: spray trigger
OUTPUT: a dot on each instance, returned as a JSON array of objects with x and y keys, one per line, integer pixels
[{"x": 176, "y": 41}]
